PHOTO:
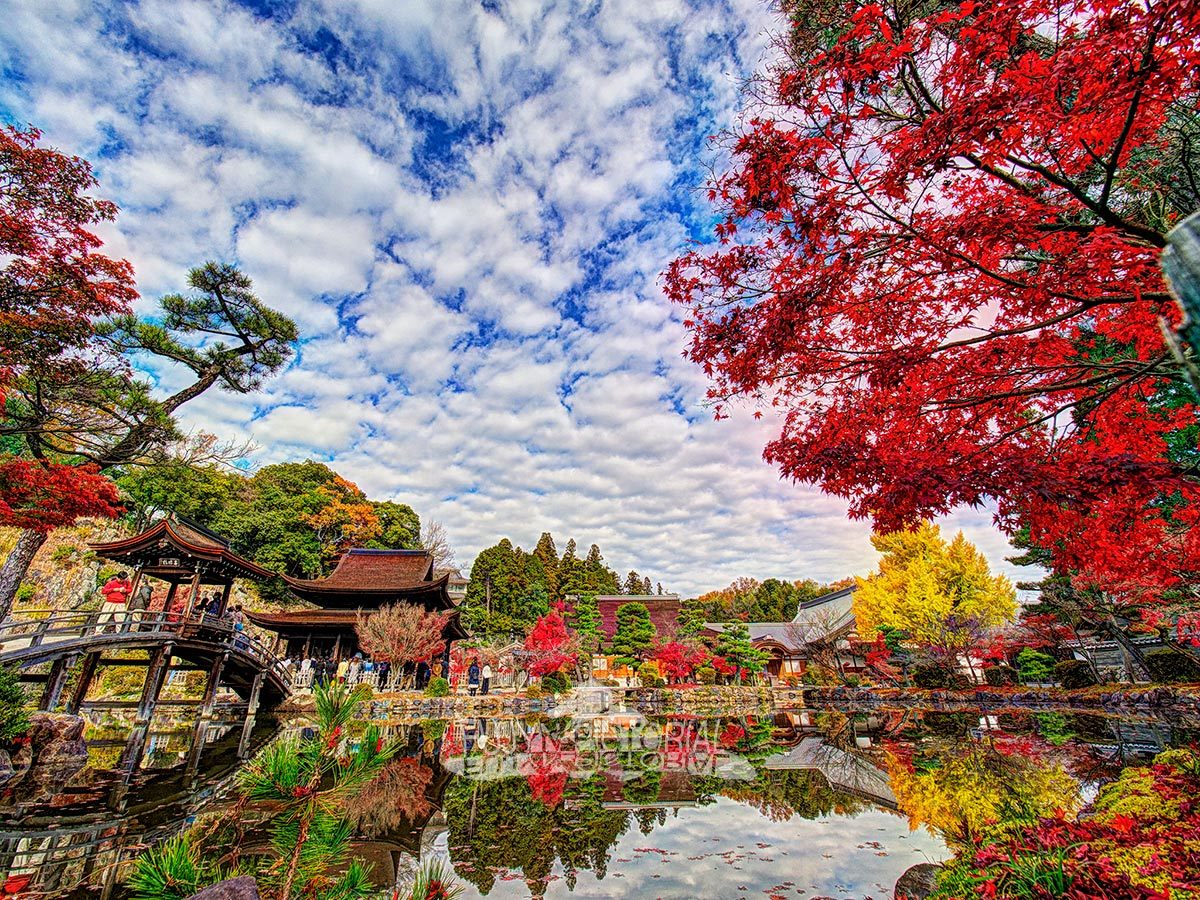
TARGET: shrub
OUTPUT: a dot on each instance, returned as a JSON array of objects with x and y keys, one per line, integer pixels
[
  {"x": 998, "y": 676},
  {"x": 648, "y": 675},
  {"x": 706, "y": 675},
  {"x": 534, "y": 692},
  {"x": 64, "y": 552},
  {"x": 1171, "y": 666},
  {"x": 1074, "y": 673},
  {"x": 556, "y": 683},
  {"x": 939, "y": 676},
  {"x": 14, "y": 717},
  {"x": 25, "y": 592},
  {"x": 437, "y": 687},
  {"x": 1034, "y": 665}
]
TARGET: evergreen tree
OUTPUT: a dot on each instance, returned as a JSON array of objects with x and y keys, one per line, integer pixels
[
  {"x": 547, "y": 555},
  {"x": 734, "y": 645},
  {"x": 585, "y": 620},
  {"x": 633, "y": 584},
  {"x": 660, "y": 590},
  {"x": 634, "y": 635},
  {"x": 647, "y": 588},
  {"x": 690, "y": 619}
]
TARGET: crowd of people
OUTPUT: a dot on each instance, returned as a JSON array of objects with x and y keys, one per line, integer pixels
[
  {"x": 124, "y": 607},
  {"x": 358, "y": 669}
]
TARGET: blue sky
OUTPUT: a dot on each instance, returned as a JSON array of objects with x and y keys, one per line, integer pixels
[{"x": 466, "y": 208}]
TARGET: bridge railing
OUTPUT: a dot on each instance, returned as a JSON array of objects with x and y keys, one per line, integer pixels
[{"x": 45, "y": 628}]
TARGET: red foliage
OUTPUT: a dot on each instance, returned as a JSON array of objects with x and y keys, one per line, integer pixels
[
  {"x": 939, "y": 264},
  {"x": 731, "y": 735},
  {"x": 678, "y": 661},
  {"x": 550, "y": 644},
  {"x": 722, "y": 666},
  {"x": 53, "y": 285},
  {"x": 43, "y": 496}
]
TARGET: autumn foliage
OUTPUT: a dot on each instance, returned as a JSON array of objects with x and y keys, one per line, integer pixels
[
  {"x": 402, "y": 633},
  {"x": 938, "y": 265},
  {"x": 550, "y": 645}
]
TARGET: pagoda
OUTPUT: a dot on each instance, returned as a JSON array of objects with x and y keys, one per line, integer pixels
[{"x": 363, "y": 581}]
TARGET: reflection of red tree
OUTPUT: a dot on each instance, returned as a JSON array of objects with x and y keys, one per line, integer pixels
[
  {"x": 452, "y": 744},
  {"x": 395, "y": 797},
  {"x": 731, "y": 734},
  {"x": 546, "y": 765}
]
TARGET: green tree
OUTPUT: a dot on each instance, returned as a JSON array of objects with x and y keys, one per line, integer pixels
[
  {"x": 400, "y": 524},
  {"x": 14, "y": 714},
  {"x": 735, "y": 646},
  {"x": 634, "y": 635},
  {"x": 633, "y": 584},
  {"x": 585, "y": 620},
  {"x": 506, "y": 591},
  {"x": 690, "y": 619},
  {"x": 547, "y": 555}
]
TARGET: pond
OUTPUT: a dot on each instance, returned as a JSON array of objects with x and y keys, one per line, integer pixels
[{"x": 806, "y": 803}]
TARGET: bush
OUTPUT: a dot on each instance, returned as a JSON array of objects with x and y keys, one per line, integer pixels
[
  {"x": 999, "y": 676},
  {"x": 534, "y": 692},
  {"x": 1034, "y": 665},
  {"x": 437, "y": 687},
  {"x": 939, "y": 676},
  {"x": 14, "y": 717},
  {"x": 706, "y": 675},
  {"x": 1074, "y": 673},
  {"x": 556, "y": 683},
  {"x": 1171, "y": 666},
  {"x": 648, "y": 675}
]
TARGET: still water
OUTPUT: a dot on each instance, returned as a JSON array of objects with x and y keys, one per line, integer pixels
[{"x": 823, "y": 803}]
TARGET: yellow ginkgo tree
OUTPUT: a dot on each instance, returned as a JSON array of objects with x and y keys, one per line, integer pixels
[{"x": 941, "y": 595}]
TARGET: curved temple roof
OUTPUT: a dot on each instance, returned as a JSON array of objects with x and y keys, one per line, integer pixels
[{"x": 169, "y": 545}]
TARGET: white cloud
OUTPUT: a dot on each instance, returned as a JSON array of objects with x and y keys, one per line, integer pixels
[{"x": 466, "y": 210}]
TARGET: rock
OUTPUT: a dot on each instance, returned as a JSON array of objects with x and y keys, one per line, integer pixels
[
  {"x": 242, "y": 888},
  {"x": 57, "y": 749},
  {"x": 916, "y": 883},
  {"x": 7, "y": 772}
]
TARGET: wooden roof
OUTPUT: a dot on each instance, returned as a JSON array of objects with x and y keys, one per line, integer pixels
[
  {"x": 371, "y": 570},
  {"x": 316, "y": 620},
  {"x": 176, "y": 546}
]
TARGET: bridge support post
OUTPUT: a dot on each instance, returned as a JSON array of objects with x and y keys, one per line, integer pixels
[
  {"x": 156, "y": 675},
  {"x": 55, "y": 682},
  {"x": 251, "y": 709},
  {"x": 206, "y": 708},
  {"x": 84, "y": 682}
]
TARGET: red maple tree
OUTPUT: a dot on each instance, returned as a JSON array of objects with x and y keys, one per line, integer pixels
[
  {"x": 54, "y": 287},
  {"x": 678, "y": 661},
  {"x": 402, "y": 633},
  {"x": 550, "y": 644},
  {"x": 938, "y": 264}
]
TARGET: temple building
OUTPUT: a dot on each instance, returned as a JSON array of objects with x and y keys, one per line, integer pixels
[
  {"x": 826, "y": 621},
  {"x": 185, "y": 559},
  {"x": 364, "y": 580}
]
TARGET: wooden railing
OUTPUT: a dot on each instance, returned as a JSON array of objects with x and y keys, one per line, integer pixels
[{"x": 80, "y": 631}]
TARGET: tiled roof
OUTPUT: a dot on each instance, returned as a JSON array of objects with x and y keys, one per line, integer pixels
[
  {"x": 782, "y": 633},
  {"x": 373, "y": 570}
]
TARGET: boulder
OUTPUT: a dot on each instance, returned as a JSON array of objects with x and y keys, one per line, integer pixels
[
  {"x": 241, "y": 888},
  {"x": 57, "y": 752},
  {"x": 916, "y": 883}
]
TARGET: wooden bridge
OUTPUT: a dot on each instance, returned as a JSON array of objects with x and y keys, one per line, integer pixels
[{"x": 77, "y": 641}]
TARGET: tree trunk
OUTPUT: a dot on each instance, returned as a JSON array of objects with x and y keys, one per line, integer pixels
[{"x": 16, "y": 566}]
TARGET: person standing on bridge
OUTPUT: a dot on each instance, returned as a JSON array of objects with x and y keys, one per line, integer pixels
[{"x": 116, "y": 593}]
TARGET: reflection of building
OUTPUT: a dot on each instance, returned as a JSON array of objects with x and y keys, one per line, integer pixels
[
  {"x": 822, "y": 626},
  {"x": 364, "y": 580}
]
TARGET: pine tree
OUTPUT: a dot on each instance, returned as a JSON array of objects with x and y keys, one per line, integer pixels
[
  {"x": 735, "y": 646},
  {"x": 14, "y": 717},
  {"x": 547, "y": 555},
  {"x": 690, "y": 619},
  {"x": 634, "y": 635},
  {"x": 633, "y": 584},
  {"x": 660, "y": 589},
  {"x": 585, "y": 620},
  {"x": 647, "y": 588}
]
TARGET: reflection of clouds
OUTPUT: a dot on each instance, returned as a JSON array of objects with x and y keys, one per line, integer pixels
[{"x": 821, "y": 856}]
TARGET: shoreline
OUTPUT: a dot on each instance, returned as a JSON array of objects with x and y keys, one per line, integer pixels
[{"x": 1170, "y": 703}]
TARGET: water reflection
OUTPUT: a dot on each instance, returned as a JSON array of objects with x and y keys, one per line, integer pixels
[{"x": 622, "y": 804}]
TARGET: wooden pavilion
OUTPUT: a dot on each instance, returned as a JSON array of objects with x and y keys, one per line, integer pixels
[
  {"x": 364, "y": 580},
  {"x": 183, "y": 555}
]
